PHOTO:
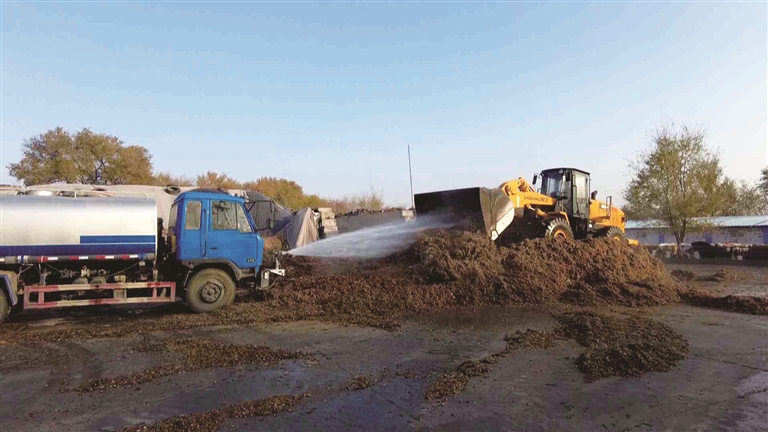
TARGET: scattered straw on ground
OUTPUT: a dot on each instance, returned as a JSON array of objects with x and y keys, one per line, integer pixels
[
  {"x": 455, "y": 381},
  {"x": 195, "y": 355},
  {"x": 684, "y": 275},
  {"x": 622, "y": 346},
  {"x": 210, "y": 421},
  {"x": 721, "y": 275},
  {"x": 731, "y": 303},
  {"x": 360, "y": 382}
]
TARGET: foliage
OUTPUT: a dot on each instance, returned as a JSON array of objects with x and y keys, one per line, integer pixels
[
  {"x": 286, "y": 192},
  {"x": 373, "y": 200},
  {"x": 166, "y": 179},
  {"x": 85, "y": 157},
  {"x": 743, "y": 199},
  {"x": 764, "y": 180},
  {"x": 212, "y": 179},
  {"x": 677, "y": 180},
  {"x": 762, "y": 185}
]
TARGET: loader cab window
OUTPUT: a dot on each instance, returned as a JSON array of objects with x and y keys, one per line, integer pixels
[
  {"x": 552, "y": 184},
  {"x": 581, "y": 181}
]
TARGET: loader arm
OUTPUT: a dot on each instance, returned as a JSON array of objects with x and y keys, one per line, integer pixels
[{"x": 522, "y": 194}]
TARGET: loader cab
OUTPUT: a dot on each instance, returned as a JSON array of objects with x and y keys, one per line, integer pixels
[{"x": 571, "y": 187}]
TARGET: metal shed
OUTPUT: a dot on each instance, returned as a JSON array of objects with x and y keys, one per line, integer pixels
[{"x": 729, "y": 229}]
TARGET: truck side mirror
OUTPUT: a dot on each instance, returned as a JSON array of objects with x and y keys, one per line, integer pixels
[
  {"x": 594, "y": 195},
  {"x": 568, "y": 176},
  {"x": 535, "y": 178}
]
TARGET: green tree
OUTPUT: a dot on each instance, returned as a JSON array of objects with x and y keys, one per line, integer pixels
[
  {"x": 85, "y": 157},
  {"x": 677, "y": 180},
  {"x": 212, "y": 179}
]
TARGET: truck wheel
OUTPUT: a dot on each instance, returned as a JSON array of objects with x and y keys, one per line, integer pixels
[
  {"x": 614, "y": 233},
  {"x": 558, "y": 228},
  {"x": 209, "y": 290},
  {"x": 5, "y": 306}
]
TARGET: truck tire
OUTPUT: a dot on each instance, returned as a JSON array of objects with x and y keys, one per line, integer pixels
[
  {"x": 5, "y": 306},
  {"x": 210, "y": 289},
  {"x": 614, "y": 233},
  {"x": 558, "y": 228}
]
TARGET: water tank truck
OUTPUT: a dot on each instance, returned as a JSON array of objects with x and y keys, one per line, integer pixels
[{"x": 58, "y": 251}]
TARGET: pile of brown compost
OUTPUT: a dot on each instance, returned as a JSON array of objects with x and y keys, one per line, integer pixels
[
  {"x": 458, "y": 269},
  {"x": 622, "y": 346}
]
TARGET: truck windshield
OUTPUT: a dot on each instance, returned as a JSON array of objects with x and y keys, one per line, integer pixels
[{"x": 552, "y": 183}]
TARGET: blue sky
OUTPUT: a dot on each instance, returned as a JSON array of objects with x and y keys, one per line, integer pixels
[{"x": 330, "y": 95}]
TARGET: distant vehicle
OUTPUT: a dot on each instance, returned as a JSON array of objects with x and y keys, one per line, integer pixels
[{"x": 58, "y": 251}]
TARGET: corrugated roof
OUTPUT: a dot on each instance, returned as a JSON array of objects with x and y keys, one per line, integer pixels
[{"x": 721, "y": 221}]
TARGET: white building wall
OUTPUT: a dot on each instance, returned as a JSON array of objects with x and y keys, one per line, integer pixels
[{"x": 745, "y": 235}]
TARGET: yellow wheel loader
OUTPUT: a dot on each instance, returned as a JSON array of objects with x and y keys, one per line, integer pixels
[{"x": 563, "y": 208}]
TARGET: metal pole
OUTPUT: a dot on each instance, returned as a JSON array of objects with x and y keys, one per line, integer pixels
[{"x": 410, "y": 174}]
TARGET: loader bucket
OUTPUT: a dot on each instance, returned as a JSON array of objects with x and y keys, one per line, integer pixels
[{"x": 489, "y": 208}]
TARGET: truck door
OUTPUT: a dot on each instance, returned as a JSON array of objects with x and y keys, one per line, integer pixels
[
  {"x": 580, "y": 195},
  {"x": 192, "y": 239},
  {"x": 231, "y": 235}
]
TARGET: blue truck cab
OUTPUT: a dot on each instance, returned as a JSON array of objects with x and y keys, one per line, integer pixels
[
  {"x": 215, "y": 242},
  {"x": 215, "y": 226}
]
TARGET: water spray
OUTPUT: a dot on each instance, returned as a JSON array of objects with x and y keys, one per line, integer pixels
[{"x": 374, "y": 242}]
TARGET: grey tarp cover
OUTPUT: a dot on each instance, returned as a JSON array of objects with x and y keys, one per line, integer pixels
[
  {"x": 302, "y": 230},
  {"x": 262, "y": 209}
]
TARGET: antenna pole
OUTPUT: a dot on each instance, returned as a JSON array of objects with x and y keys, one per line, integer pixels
[{"x": 410, "y": 174}]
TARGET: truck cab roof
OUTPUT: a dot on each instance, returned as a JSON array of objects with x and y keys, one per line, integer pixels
[{"x": 207, "y": 194}]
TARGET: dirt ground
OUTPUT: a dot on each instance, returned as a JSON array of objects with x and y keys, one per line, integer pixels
[
  {"x": 312, "y": 375},
  {"x": 741, "y": 280}
]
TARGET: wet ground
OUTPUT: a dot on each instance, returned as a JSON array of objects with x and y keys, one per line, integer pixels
[{"x": 721, "y": 385}]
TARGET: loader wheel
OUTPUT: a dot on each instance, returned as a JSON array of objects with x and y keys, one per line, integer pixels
[
  {"x": 5, "y": 306},
  {"x": 615, "y": 234},
  {"x": 558, "y": 228},
  {"x": 209, "y": 290}
]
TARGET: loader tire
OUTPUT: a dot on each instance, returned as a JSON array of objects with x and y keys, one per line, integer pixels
[
  {"x": 558, "y": 228},
  {"x": 5, "y": 306},
  {"x": 209, "y": 290},
  {"x": 615, "y": 234}
]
